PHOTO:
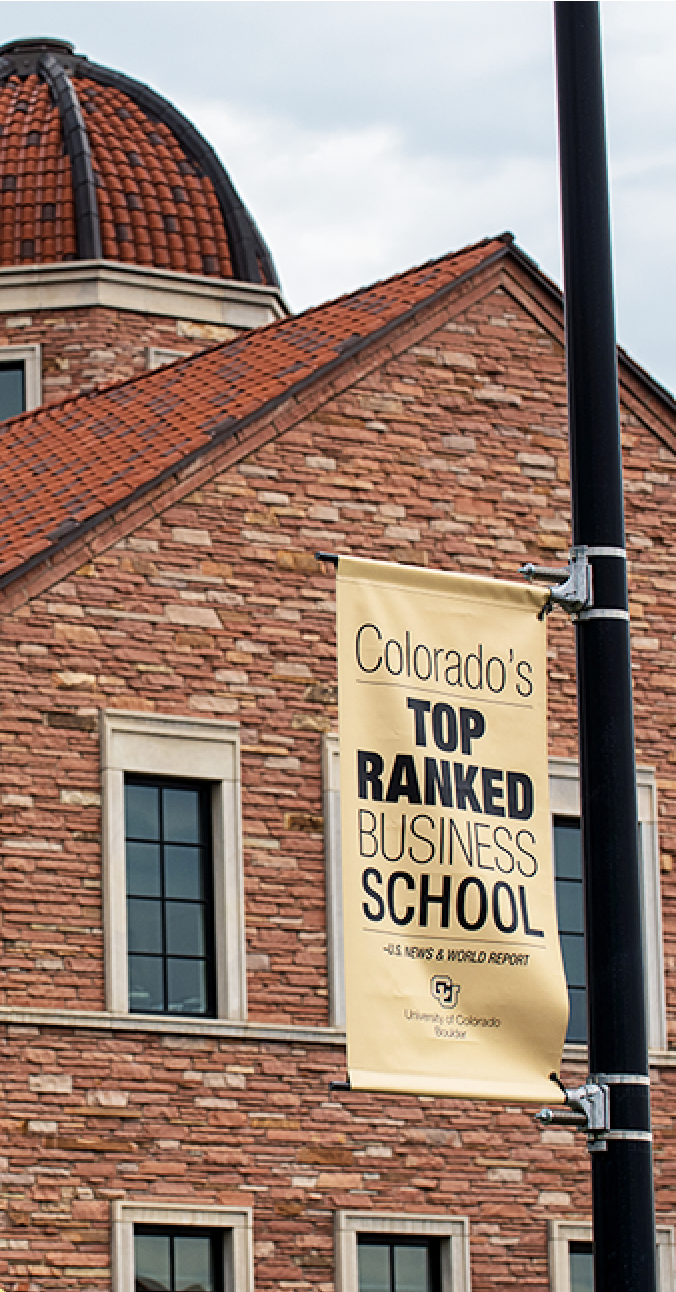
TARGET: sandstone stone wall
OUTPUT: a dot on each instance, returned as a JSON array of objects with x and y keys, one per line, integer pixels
[
  {"x": 450, "y": 454},
  {"x": 94, "y": 346}
]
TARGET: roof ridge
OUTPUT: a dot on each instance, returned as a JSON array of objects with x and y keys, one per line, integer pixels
[
  {"x": 405, "y": 273},
  {"x": 76, "y": 143},
  {"x": 279, "y": 324}
]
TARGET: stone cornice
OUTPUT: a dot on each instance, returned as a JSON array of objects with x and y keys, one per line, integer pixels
[
  {"x": 107, "y": 1021},
  {"x": 82, "y": 284},
  {"x": 250, "y": 1030}
]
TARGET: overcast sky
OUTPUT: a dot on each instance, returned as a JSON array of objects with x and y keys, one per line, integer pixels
[{"x": 367, "y": 136}]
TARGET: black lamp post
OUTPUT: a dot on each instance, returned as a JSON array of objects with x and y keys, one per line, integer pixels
[{"x": 622, "y": 1185}]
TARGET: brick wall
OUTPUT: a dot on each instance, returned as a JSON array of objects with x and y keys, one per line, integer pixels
[
  {"x": 93, "y": 346},
  {"x": 93, "y": 1116},
  {"x": 452, "y": 454}
]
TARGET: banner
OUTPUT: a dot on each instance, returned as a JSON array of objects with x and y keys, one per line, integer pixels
[{"x": 454, "y": 980}]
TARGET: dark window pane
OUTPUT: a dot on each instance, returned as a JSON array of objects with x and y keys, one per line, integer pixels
[
  {"x": 567, "y": 848},
  {"x": 183, "y": 872},
  {"x": 577, "y": 1018},
  {"x": 146, "y": 994},
  {"x": 186, "y": 987},
  {"x": 142, "y": 811},
  {"x": 185, "y": 929},
  {"x": 143, "y": 869},
  {"x": 374, "y": 1267},
  {"x": 152, "y": 1262},
  {"x": 410, "y": 1269},
  {"x": 181, "y": 816},
  {"x": 144, "y": 925},
  {"x": 572, "y": 947},
  {"x": 12, "y": 390},
  {"x": 570, "y": 916},
  {"x": 581, "y": 1267},
  {"x": 169, "y": 895},
  {"x": 192, "y": 1265},
  {"x": 570, "y": 907}
]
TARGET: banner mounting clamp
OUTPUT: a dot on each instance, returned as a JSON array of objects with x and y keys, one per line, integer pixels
[
  {"x": 587, "y": 1109},
  {"x": 570, "y": 588}
]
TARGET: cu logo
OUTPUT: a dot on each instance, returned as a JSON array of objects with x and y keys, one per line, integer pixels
[{"x": 445, "y": 991}]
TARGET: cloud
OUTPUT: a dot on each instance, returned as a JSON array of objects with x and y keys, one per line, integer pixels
[
  {"x": 343, "y": 207},
  {"x": 370, "y": 136}
]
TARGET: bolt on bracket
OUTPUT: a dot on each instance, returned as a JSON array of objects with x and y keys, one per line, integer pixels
[
  {"x": 587, "y": 1108},
  {"x": 569, "y": 588}
]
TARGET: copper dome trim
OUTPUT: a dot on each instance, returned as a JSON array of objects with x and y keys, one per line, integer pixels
[
  {"x": 87, "y": 226},
  {"x": 252, "y": 261}
]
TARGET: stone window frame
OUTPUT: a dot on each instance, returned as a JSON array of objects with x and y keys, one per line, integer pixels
[
  {"x": 334, "y": 879},
  {"x": 198, "y": 749},
  {"x": 235, "y": 1222},
  {"x": 30, "y": 355},
  {"x": 561, "y": 1233},
  {"x": 564, "y": 794},
  {"x": 158, "y": 355},
  {"x": 452, "y": 1232}
]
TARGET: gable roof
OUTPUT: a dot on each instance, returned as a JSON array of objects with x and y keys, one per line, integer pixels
[
  {"x": 63, "y": 465},
  {"x": 66, "y": 468}
]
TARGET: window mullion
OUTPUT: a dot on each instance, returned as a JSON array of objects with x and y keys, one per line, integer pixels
[{"x": 163, "y": 901}]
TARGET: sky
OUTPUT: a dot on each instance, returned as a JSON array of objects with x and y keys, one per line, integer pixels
[{"x": 367, "y": 136}]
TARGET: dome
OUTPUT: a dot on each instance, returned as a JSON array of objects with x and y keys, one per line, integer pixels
[{"x": 96, "y": 166}]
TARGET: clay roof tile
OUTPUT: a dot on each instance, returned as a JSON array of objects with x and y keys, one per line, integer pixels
[
  {"x": 104, "y": 446},
  {"x": 136, "y": 140}
]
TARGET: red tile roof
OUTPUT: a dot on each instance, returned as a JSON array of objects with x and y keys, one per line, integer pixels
[
  {"x": 63, "y": 465},
  {"x": 155, "y": 205},
  {"x": 94, "y": 164},
  {"x": 37, "y": 220}
]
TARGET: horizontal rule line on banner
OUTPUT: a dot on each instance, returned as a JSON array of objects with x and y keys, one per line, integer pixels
[
  {"x": 410, "y": 685},
  {"x": 436, "y": 937}
]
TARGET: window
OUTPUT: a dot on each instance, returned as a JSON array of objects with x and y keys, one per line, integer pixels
[
  {"x": 20, "y": 379},
  {"x": 571, "y": 1261},
  {"x": 581, "y": 1266},
  {"x": 397, "y": 1265},
  {"x": 173, "y": 888},
  {"x": 157, "y": 356},
  {"x": 399, "y": 1253},
  {"x": 174, "y": 1248},
  {"x": 564, "y": 788},
  {"x": 169, "y": 896},
  {"x": 12, "y": 390},
  {"x": 175, "y": 1260},
  {"x": 570, "y": 915}
]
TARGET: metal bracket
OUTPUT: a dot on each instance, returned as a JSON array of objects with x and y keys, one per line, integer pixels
[
  {"x": 587, "y": 1109},
  {"x": 570, "y": 588}
]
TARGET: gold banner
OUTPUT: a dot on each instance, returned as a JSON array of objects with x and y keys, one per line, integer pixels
[{"x": 454, "y": 980}]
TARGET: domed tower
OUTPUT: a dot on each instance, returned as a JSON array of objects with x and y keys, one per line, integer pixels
[{"x": 123, "y": 241}]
